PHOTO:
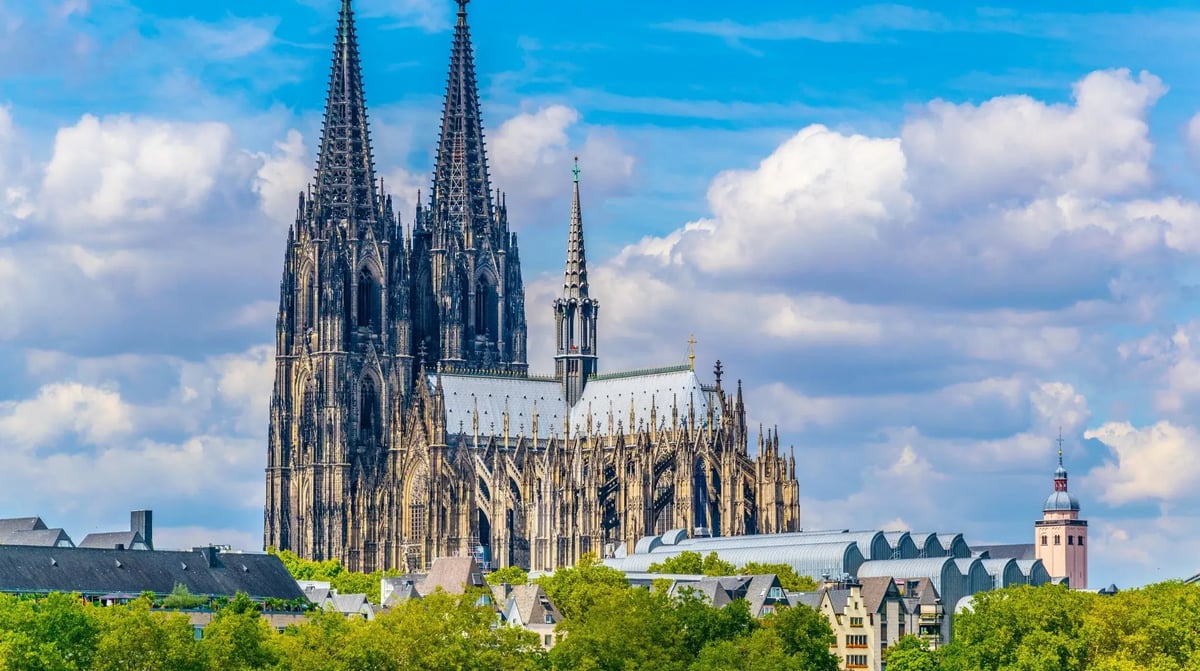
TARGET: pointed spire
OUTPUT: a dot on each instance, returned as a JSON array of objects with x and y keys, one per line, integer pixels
[
  {"x": 575, "y": 280},
  {"x": 461, "y": 189},
  {"x": 345, "y": 181}
]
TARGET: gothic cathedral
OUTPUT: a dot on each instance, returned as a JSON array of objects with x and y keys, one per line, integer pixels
[{"x": 405, "y": 424}]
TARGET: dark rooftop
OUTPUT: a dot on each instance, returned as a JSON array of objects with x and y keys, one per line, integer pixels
[{"x": 95, "y": 572}]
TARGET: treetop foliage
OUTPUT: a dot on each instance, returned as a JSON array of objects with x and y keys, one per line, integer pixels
[{"x": 692, "y": 563}]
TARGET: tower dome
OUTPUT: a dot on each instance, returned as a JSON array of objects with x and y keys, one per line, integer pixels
[{"x": 1061, "y": 500}]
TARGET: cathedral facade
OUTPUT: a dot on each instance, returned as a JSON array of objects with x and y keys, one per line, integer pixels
[{"x": 405, "y": 424}]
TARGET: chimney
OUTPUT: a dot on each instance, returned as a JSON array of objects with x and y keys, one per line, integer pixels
[
  {"x": 142, "y": 521},
  {"x": 209, "y": 553}
]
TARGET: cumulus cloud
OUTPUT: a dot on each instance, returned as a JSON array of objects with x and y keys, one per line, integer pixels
[
  {"x": 1154, "y": 463},
  {"x": 123, "y": 170},
  {"x": 993, "y": 204},
  {"x": 1192, "y": 132},
  {"x": 1017, "y": 147},
  {"x": 282, "y": 176},
  {"x": 92, "y": 414},
  {"x": 532, "y": 153}
]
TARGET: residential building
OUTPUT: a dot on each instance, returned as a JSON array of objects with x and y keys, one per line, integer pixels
[
  {"x": 528, "y": 607},
  {"x": 866, "y": 617}
]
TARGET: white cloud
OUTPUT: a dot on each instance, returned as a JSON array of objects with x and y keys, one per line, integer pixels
[
  {"x": 532, "y": 155},
  {"x": 121, "y": 170},
  {"x": 428, "y": 15},
  {"x": 282, "y": 176},
  {"x": 1018, "y": 147},
  {"x": 998, "y": 204},
  {"x": 95, "y": 415},
  {"x": 1153, "y": 463},
  {"x": 1192, "y": 132},
  {"x": 230, "y": 39}
]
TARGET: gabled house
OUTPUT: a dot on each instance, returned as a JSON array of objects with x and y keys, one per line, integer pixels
[
  {"x": 528, "y": 607},
  {"x": 866, "y": 617}
]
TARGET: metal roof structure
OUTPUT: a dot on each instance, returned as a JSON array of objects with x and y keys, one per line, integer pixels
[
  {"x": 491, "y": 397},
  {"x": 814, "y": 560},
  {"x": 1004, "y": 572},
  {"x": 872, "y": 544},
  {"x": 638, "y": 392}
]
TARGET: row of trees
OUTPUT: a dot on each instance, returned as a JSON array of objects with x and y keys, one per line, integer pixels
[
  {"x": 1051, "y": 628},
  {"x": 692, "y": 563},
  {"x": 607, "y": 625}
]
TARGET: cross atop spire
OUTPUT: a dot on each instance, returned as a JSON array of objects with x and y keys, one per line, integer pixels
[
  {"x": 575, "y": 280},
  {"x": 345, "y": 180},
  {"x": 461, "y": 189}
]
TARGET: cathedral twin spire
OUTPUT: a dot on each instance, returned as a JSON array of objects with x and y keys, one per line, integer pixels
[
  {"x": 345, "y": 180},
  {"x": 461, "y": 183}
]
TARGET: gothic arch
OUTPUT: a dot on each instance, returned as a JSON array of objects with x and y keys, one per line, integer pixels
[
  {"x": 370, "y": 410},
  {"x": 487, "y": 303},
  {"x": 369, "y": 298},
  {"x": 415, "y": 503},
  {"x": 305, "y": 312}
]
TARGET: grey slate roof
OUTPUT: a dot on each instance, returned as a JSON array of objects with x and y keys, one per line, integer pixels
[
  {"x": 130, "y": 540},
  {"x": 40, "y": 537},
  {"x": 1009, "y": 551},
  {"x": 96, "y": 572},
  {"x": 528, "y": 604},
  {"x": 11, "y": 524}
]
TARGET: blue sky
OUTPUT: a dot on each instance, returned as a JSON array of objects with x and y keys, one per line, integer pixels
[{"x": 925, "y": 235}]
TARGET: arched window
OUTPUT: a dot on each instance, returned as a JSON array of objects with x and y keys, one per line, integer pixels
[
  {"x": 487, "y": 315},
  {"x": 368, "y": 413},
  {"x": 303, "y": 311},
  {"x": 370, "y": 314},
  {"x": 417, "y": 494}
]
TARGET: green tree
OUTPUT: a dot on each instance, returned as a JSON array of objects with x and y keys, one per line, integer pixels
[
  {"x": 316, "y": 645},
  {"x": 509, "y": 575},
  {"x": 692, "y": 563},
  {"x": 910, "y": 654},
  {"x": 574, "y": 589},
  {"x": 1156, "y": 628},
  {"x": 181, "y": 598},
  {"x": 1021, "y": 628},
  {"x": 805, "y": 635},
  {"x": 687, "y": 562},
  {"x": 135, "y": 639},
  {"x": 53, "y": 632},
  {"x": 788, "y": 578},
  {"x": 620, "y": 629},
  {"x": 238, "y": 638},
  {"x": 760, "y": 651}
]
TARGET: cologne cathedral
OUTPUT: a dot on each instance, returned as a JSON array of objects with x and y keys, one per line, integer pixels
[{"x": 405, "y": 424}]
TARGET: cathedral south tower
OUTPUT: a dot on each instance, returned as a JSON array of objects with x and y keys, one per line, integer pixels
[{"x": 469, "y": 298}]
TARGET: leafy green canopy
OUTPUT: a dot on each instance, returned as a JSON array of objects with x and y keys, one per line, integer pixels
[
  {"x": 692, "y": 563},
  {"x": 332, "y": 571}
]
